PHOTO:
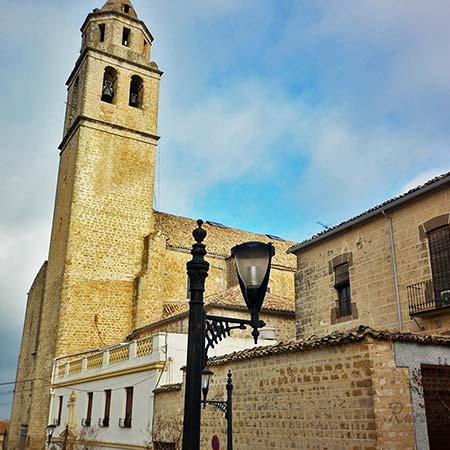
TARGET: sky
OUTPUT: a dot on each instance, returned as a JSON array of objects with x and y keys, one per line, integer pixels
[{"x": 274, "y": 115}]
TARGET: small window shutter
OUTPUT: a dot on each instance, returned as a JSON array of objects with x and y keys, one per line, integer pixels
[{"x": 341, "y": 276}]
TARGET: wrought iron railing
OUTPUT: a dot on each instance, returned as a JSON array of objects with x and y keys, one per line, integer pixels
[{"x": 422, "y": 297}]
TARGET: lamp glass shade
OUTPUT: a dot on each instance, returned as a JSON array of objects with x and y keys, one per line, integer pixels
[
  {"x": 206, "y": 379},
  {"x": 252, "y": 261}
]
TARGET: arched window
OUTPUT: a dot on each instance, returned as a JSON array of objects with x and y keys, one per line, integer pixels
[
  {"x": 136, "y": 91},
  {"x": 109, "y": 84}
]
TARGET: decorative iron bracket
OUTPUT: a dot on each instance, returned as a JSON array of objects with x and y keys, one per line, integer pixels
[
  {"x": 218, "y": 328},
  {"x": 221, "y": 405}
]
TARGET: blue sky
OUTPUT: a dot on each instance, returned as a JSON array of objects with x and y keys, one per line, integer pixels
[{"x": 274, "y": 115}]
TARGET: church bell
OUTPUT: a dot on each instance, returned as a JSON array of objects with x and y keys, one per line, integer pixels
[{"x": 108, "y": 91}]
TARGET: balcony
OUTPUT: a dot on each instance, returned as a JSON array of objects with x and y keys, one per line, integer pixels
[
  {"x": 423, "y": 300},
  {"x": 111, "y": 358}
]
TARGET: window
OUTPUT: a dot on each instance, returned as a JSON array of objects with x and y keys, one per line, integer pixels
[
  {"x": 60, "y": 405},
  {"x": 126, "y": 37},
  {"x": 101, "y": 29},
  {"x": 342, "y": 286},
  {"x": 128, "y": 407},
  {"x": 105, "y": 422},
  {"x": 439, "y": 243},
  {"x": 109, "y": 84},
  {"x": 87, "y": 421},
  {"x": 136, "y": 91},
  {"x": 126, "y": 8}
]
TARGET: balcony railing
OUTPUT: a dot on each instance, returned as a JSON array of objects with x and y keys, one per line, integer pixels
[
  {"x": 105, "y": 358},
  {"x": 422, "y": 298}
]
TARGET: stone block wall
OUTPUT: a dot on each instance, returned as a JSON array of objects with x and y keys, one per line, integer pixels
[
  {"x": 334, "y": 397},
  {"x": 26, "y": 367}
]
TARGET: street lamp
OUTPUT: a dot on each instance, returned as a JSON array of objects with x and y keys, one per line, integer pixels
[
  {"x": 50, "y": 431},
  {"x": 225, "y": 406},
  {"x": 206, "y": 379},
  {"x": 205, "y": 331},
  {"x": 253, "y": 268}
]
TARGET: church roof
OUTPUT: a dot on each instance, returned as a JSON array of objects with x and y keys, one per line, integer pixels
[
  {"x": 229, "y": 299},
  {"x": 233, "y": 297},
  {"x": 219, "y": 240},
  {"x": 122, "y": 6}
]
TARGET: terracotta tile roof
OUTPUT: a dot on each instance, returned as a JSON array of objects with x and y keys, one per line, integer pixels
[
  {"x": 336, "y": 338},
  {"x": 4, "y": 426},
  {"x": 233, "y": 297},
  {"x": 388, "y": 204},
  {"x": 168, "y": 388},
  {"x": 219, "y": 241}
]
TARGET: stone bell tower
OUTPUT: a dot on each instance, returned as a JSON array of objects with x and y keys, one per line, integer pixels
[
  {"x": 83, "y": 297},
  {"x": 106, "y": 180}
]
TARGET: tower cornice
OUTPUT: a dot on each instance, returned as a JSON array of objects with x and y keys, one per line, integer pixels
[
  {"x": 84, "y": 119},
  {"x": 151, "y": 67}
]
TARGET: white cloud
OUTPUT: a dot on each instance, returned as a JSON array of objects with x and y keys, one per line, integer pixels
[{"x": 422, "y": 178}]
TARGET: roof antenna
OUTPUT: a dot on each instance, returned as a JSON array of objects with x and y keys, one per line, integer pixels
[{"x": 326, "y": 227}]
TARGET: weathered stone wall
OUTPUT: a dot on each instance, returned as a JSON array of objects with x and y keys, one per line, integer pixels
[
  {"x": 335, "y": 397},
  {"x": 52, "y": 297},
  {"x": 110, "y": 215},
  {"x": 371, "y": 274},
  {"x": 26, "y": 367}
]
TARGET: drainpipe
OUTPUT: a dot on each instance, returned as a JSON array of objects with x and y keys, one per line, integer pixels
[{"x": 394, "y": 270}]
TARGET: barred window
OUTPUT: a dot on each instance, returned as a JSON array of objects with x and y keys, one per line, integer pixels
[
  {"x": 439, "y": 243},
  {"x": 342, "y": 286}
]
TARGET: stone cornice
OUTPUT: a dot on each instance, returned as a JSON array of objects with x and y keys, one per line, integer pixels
[{"x": 77, "y": 123}]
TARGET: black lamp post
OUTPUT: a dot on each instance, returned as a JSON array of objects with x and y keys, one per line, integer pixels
[
  {"x": 225, "y": 406},
  {"x": 205, "y": 331}
]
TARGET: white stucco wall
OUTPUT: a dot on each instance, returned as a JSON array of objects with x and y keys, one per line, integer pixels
[{"x": 168, "y": 349}]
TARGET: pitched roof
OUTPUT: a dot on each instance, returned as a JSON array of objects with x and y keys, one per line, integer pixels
[
  {"x": 4, "y": 426},
  {"x": 336, "y": 338},
  {"x": 233, "y": 297},
  {"x": 375, "y": 210},
  {"x": 219, "y": 240},
  {"x": 120, "y": 6}
]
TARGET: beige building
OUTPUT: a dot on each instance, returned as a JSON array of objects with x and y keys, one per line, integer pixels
[
  {"x": 114, "y": 264},
  {"x": 389, "y": 267}
]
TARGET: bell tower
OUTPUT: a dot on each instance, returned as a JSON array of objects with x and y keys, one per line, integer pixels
[
  {"x": 105, "y": 188},
  {"x": 83, "y": 297}
]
